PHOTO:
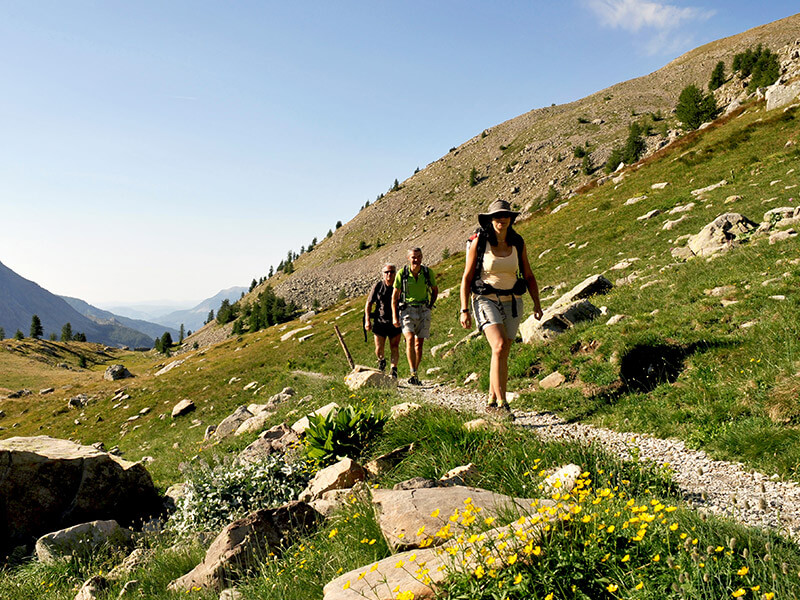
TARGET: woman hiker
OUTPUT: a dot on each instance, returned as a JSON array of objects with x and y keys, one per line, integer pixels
[
  {"x": 497, "y": 274},
  {"x": 381, "y": 298}
]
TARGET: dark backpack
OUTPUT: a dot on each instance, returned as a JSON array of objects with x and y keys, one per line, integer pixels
[
  {"x": 404, "y": 281},
  {"x": 479, "y": 287}
]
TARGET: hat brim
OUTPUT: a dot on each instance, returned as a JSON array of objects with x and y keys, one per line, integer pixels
[{"x": 485, "y": 218}]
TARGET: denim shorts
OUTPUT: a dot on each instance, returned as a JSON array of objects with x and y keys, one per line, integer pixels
[
  {"x": 494, "y": 310},
  {"x": 417, "y": 320}
]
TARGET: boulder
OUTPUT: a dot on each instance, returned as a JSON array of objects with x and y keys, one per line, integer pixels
[
  {"x": 83, "y": 539},
  {"x": 408, "y": 518},
  {"x": 169, "y": 367},
  {"x": 556, "y": 320},
  {"x": 183, "y": 407},
  {"x": 563, "y": 480},
  {"x": 403, "y": 409},
  {"x": 280, "y": 438},
  {"x": 701, "y": 191},
  {"x": 418, "y": 572},
  {"x": 115, "y": 372},
  {"x": 343, "y": 474},
  {"x": 232, "y": 422},
  {"x": 720, "y": 234},
  {"x": 779, "y": 94},
  {"x": 245, "y": 542},
  {"x": 416, "y": 483},
  {"x": 554, "y": 380},
  {"x": 463, "y": 475},
  {"x": 301, "y": 425},
  {"x": 47, "y": 484},
  {"x": 92, "y": 588},
  {"x": 591, "y": 286},
  {"x": 254, "y": 424},
  {"x": 386, "y": 462},
  {"x": 365, "y": 377}
]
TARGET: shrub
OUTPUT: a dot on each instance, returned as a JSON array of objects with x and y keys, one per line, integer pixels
[
  {"x": 613, "y": 160},
  {"x": 343, "y": 433},
  {"x": 216, "y": 495},
  {"x": 445, "y": 253},
  {"x": 362, "y": 245},
  {"x": 583, "y": 120},
  {"x": 695, "y": 108},
  {"x": 578, "y": 152},
  {"x": 552, "y": 194},
  {"x": 473, "y": 177}
]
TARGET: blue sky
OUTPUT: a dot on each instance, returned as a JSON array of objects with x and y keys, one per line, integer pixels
[{"x": 167, "y": 150}]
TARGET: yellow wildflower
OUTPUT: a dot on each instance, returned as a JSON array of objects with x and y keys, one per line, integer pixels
[
  {"x": 518, "y": 579},
  {"x": 612, "y": 588},
  {"x": 742, "y": 572},
  {"x": 738, "y": 593},
  {"x": 346, "y": 585}
]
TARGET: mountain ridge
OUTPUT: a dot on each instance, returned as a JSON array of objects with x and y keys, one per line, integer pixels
[{"x": 520, "y": 160}]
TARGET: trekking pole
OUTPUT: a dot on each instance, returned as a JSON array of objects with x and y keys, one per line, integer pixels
[{"x": 344, "y": 347}]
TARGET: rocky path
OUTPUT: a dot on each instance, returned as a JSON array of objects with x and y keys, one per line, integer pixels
[{"x": 720, "y": 487}]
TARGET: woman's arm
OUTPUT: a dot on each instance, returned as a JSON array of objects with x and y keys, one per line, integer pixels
[
  {"x": 533, "y": 286},
  {"x": 466, "y": 283}
]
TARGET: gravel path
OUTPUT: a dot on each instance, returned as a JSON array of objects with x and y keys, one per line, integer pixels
[{"x": 719, "y": 487}]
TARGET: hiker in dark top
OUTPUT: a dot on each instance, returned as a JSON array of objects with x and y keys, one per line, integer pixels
[
  {"x": 381, "y": 298},
  {"x": 497, "y": 275}
]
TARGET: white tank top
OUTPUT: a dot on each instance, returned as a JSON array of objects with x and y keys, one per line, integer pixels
[{"x": 500, "y": 271}]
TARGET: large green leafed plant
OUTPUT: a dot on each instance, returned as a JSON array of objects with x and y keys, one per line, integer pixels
[{"x": 342, "y": 433}]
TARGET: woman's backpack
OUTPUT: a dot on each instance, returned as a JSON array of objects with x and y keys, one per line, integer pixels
[{"x": 478, "y": 285}]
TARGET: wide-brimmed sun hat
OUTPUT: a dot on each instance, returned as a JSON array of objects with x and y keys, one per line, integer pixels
[{"x": 498, "y": 208}]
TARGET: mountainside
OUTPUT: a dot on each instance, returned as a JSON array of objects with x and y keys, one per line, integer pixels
[
  {"x": 194, "y": 318},
  {"x": 104, "y": 317},
  {"x": 21, "y": 298},
  {"x": 523, "y": 160}
]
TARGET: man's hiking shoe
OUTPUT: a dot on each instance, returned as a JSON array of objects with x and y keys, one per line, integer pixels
[
  {"x": 382, "y": 365},
  {"x": 394, "y": 372},
  {"x": 414, "y": 380}
]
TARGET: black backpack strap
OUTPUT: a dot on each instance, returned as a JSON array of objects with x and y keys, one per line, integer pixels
[{"x": 403, "y": 284}]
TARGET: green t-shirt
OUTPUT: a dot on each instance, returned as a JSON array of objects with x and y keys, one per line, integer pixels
[{"x": 416, "y": 287}]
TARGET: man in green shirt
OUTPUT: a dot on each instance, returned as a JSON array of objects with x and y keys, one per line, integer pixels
[{"x": 414, "y": 295}]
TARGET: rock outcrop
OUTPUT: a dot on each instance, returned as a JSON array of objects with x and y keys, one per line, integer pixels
[{"x": 47, "y": 484}]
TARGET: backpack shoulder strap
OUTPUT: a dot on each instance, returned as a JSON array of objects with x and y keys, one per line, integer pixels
[
  {"x": 404, "y": 283},
  {"x": 427, "y": 273}
]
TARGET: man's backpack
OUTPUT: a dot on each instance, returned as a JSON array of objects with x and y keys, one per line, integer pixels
[
  {"x": 404, "y": 273},
  {"x": 481, "y": 288}
]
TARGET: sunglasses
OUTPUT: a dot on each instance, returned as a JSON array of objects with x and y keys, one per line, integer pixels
[{"x": 388, "y": 272}]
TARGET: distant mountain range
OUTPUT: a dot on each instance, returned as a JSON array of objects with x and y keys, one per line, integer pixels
[
  {"x": 100, "y": 316},
  {"x": 191, "y": 318},
  {"x": 21, "y": 298},
  {"x": 194, "y": 318}
]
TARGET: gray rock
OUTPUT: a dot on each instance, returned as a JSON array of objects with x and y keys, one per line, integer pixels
[
  {"x": 554, "y": 380},
  {"x": 556, "y": 320},
  {"x": 183, "y": 407},
  {"x": 49, "y": 484},
  {"x": 244, "y": 543},
  {"x": 82, "y": 540},
  {"x": 280, "y": 438},
  {"x": 232, "y": 422},
  {"x": 416, "y": 483},
  {"x": 362, "y": 377},
  {"x": 115, "y": 372},
  {"x": 722, "y": 233},
  {"x": 92, "y": 588},
  {"x": 591, "y": 286},
  {"x": 343, "y": 474},
  {"x": 386, "y": 462}
]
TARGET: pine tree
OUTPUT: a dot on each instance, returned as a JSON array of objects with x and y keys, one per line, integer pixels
[
  {"x": 37, "y": 330},
  {"x": 210, "y": 316},
  {"x": 634, "y": 145},
  {"x": 19, "y": 335},
  {"x": 66, "y": 332},
  {"x": 717, "y": 76},
  {"x": 694, "y": 108},
  {"x": 253, "y": 285},
  {"x": 2, "y": 333},
  {"x": 338, "y": 224},
  {"x": 166, "y": 342},
  {"x": 473, "y": 177},
  {"x": 182, "y": 334},
  {"x": 157, "y": 344}
]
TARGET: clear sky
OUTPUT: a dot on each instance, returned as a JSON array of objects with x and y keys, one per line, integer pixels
[{"x": 166, "y": 150}]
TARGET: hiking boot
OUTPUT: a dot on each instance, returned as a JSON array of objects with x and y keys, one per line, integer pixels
[
  {"x": 381, "y": 365},
  {"x": 394, "y": 372},
  {"x": 414, "y": 380}
]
